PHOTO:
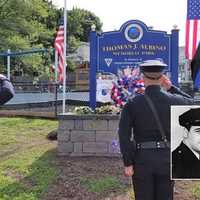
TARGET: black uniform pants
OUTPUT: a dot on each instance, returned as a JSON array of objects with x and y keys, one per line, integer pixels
[{"x": 151, "y": 180}]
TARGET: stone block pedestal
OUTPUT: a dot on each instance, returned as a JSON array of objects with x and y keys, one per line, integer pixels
[{"x": 88, "y": 135}]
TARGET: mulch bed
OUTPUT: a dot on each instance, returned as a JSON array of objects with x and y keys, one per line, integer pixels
[
  {"x": 68, "y": 185},
  {"x": 73, "y": 170}
]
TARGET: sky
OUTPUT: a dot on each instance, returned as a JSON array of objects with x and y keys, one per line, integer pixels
[{"x": 161, "y": 14}]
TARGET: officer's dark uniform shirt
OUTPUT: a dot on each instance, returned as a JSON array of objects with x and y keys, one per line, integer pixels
[
  {"x": 137, "y": 115},
  {"x": 184, "y": 163}
]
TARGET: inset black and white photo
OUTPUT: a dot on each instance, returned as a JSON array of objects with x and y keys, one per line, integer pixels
[{"x": 185, "y": 142}]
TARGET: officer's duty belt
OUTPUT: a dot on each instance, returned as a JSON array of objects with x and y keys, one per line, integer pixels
[{"x": 153, "y": 145}]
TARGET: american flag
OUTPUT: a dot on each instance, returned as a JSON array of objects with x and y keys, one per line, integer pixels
[
  {"x": 195, "y": 69},
  {"x": 59, "y": 47},
  {"x": 192, "y": 36}
]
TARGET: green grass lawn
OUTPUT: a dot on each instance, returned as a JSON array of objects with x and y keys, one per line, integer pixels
[
  {"x": 26, "y": 167},
  {"x": 27, "y": 161},
  {"x": 196, "y": 191},
  {"x": 22, "y": 130}
]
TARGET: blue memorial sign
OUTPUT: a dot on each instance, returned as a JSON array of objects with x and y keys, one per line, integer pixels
[{"x": 129, "y": 46}]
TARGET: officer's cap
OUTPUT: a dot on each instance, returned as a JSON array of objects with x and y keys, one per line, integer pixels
[
  {"x": 156, "y": 65},
  {"x": 190, "y": 118}
]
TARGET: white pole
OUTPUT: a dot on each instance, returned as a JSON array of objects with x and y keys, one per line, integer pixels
[
  {"x": 8, "y": 64},
  {"x": 56, "y": 66},
  {"x": 65, "y": 47},
  {"x": 186, "y": 69}
]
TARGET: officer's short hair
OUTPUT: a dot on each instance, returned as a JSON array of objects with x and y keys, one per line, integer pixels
[
  {"x": 153, "y": 69},
  {"x": 190, "y": 118}
]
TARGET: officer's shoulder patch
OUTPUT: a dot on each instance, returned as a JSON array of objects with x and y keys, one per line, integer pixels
[
  {"x": 131, "y": 99},
  {"x": 135, "y": 98}
]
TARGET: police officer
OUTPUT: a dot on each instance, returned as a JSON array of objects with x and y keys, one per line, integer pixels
[
  {"x": 186, "y": 157},
  {"x": 149, "y": 161}
]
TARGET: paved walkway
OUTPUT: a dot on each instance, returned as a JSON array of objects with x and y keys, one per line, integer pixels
[{"x": 23, "y": 98}]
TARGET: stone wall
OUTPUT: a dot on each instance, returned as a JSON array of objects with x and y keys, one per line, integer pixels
[{"x": 88, "y": 135}]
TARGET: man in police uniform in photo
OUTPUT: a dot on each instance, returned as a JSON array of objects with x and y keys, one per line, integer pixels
[
  {"x": 186, "y": 157},
  {"x": 149, "y": 161}
]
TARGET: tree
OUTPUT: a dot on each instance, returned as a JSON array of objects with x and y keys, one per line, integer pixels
[
  {"x": 30, "y": 24},
  {"x": 27, "y": 24},
  {"x": 71, "y": 66},
  {"x": 80, "y": 22}
]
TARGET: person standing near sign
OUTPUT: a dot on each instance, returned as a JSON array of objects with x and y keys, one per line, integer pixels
[
  {"x": 6, "y": 90},
  {"x": 147, "y": 118}
]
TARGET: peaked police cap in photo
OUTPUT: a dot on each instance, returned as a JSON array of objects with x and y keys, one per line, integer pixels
[
  {"x": 190, "y": 118},
  {"x": 156, "y": 65}
]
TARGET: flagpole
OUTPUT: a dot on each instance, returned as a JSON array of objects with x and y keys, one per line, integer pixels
[
  {"x": 65, "y": 47},
  {"x": 56, "y": 66}
]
